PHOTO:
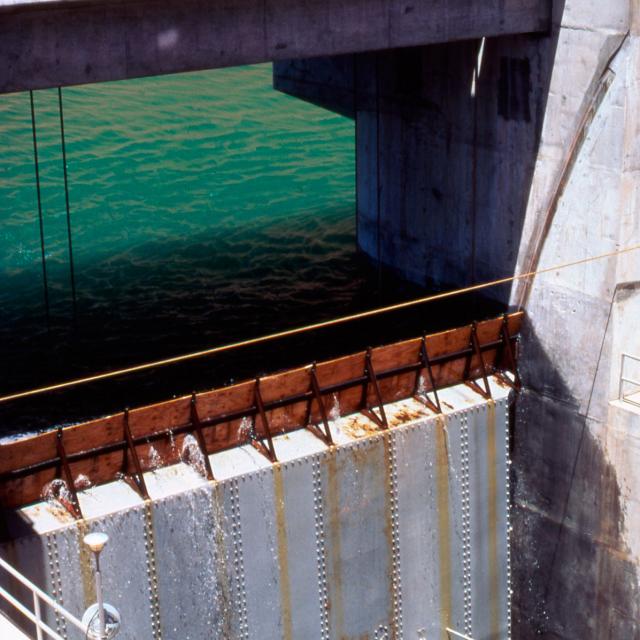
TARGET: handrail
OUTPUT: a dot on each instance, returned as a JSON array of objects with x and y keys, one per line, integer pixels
[
  {"x": 623, "y": 379},
  {"x": 457, "y": 634},
  {"x": 38, "y": 596}
]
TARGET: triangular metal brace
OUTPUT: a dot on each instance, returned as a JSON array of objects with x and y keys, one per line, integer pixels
[
  {"x": 197, "y": 425},
  {"x": 268, "y": 451},
  {"x": 475, "y": 349},
  {"x": 325, "y": 435},
  {"x": 370, "y": 375},
  {"x": 73, "y": 507},
  {"x": 506, "y": 349},
  {"x": 425, "y": 363},
  {"x": 136, "y": 480}
]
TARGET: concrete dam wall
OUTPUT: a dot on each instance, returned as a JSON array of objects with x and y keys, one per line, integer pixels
[
  {"x": 481, "y": 153},
  {"x": 482, "y": 159},
  {"x": 396, "y": 534}
]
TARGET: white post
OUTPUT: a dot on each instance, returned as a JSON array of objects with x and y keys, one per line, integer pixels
[
  {"x": 38, "y": 613},
  {"x": 101, "y": 619},
  {"x": 96, "y": 542}
]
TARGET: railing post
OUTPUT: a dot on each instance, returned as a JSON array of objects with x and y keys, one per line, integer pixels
[{"x": 38, "y": 614}]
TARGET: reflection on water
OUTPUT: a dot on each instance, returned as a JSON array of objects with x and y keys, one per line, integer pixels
[{"x": 205, "y": 208}]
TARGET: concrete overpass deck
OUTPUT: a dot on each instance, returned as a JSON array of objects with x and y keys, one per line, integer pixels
[{"x": 48, "y": 43}]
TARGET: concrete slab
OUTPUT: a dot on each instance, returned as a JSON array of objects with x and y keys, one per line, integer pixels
[{"x": 47, "y": 44}]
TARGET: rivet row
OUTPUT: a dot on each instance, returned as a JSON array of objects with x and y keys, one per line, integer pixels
[
  {"x": 321, "y": 558},
  {"x": 238, "y": 559},
  {"x": 466, "y": 523},
  {"x": 396, "y": 582},
  {"x": 56, "y": 581},
  {"x": 152, "y": 574}
]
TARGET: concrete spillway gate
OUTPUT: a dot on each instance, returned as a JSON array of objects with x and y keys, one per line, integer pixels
[{"x": 393, "y": 534}]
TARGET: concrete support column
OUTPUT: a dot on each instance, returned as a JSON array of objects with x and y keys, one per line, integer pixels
[
  {"x": 447, "y": 140},
  {"x": 447, "y": 137}
]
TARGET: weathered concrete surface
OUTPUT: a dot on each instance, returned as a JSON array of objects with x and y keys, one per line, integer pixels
[
  {"x": 477, "y": 161},
  {"x": 46, "y": 44},
  {"x": 446, "y": 152},
  {"x": 390, "y": 534},
  {"x": 577, "y": 558},
  {"x": 447, "y": 138}
]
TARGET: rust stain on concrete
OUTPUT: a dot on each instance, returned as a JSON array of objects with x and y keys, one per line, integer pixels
[
  {"x": 335, "y": 602},
  {"x": 86, "y": 565},
  {"x": 283, "y": 553}
]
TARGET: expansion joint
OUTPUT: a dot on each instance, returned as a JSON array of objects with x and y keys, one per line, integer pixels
[
  {"x": 240, "y": 586},
  {"x": 466, "y": 524},
  {"x": 152, "y": 573},
  {"x": 396, "y": 575},
  {"x": 508, "y": 521},
  {"x": 321, "y": 553}
]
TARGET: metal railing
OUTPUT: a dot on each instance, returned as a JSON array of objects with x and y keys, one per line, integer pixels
[
  {"x": 39, "y": 598},
  {"x": 626, "y": 380}
]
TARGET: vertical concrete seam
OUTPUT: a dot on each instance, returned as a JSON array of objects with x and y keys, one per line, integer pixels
[
  {"x": 508, "y": 520},
  {"x": 466, "y": 523},
  {"x": 56, "y": 581},
  {"x": 444, "y": 525},
  {"x": 240, "y": 586},
  {"x": 396, "y": 579},
  {"x": 152, "y": 571},
  {"x": 321, "y": 555}
]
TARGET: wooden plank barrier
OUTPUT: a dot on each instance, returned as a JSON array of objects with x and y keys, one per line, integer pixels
[{"x": 230, "y": 416}]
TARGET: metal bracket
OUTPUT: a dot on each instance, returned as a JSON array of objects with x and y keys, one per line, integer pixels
[
  {"x": 370, "y": 378},
  {"x": 137, "y": 479},
  {"x": 72, "y": 507},
  {"x": 317, "y": 396},
  {"x": 268, "y": 450},
  {"x": 475, "y": 345},
  {"x": 507, "y": 349},
  {"x": 195, "y": 421},
  {"x": 425, "y": 363}
]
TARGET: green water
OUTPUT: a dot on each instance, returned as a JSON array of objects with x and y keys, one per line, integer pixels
[
  {"x": 176, "y": 183},
  {"x": 205, "y": 208}
]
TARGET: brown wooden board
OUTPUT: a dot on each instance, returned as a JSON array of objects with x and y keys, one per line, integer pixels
[{"x": 160, "y": 419}]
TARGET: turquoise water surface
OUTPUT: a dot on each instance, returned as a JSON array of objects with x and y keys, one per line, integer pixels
[{"x": 205, "y": 208}]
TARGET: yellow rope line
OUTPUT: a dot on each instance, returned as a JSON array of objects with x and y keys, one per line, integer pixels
[{"x": 310, "y": 327}]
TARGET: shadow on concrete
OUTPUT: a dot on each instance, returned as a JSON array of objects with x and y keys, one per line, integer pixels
[
  {"x": 572, "y": 571},
  {"x": 447, "y": 137}
]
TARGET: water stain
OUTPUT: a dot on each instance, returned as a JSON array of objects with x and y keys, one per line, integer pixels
[
  {"x": 444, "y": 526},
  {"x": 492, "y": 516},
  {"x": 224, "y": 600}
]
